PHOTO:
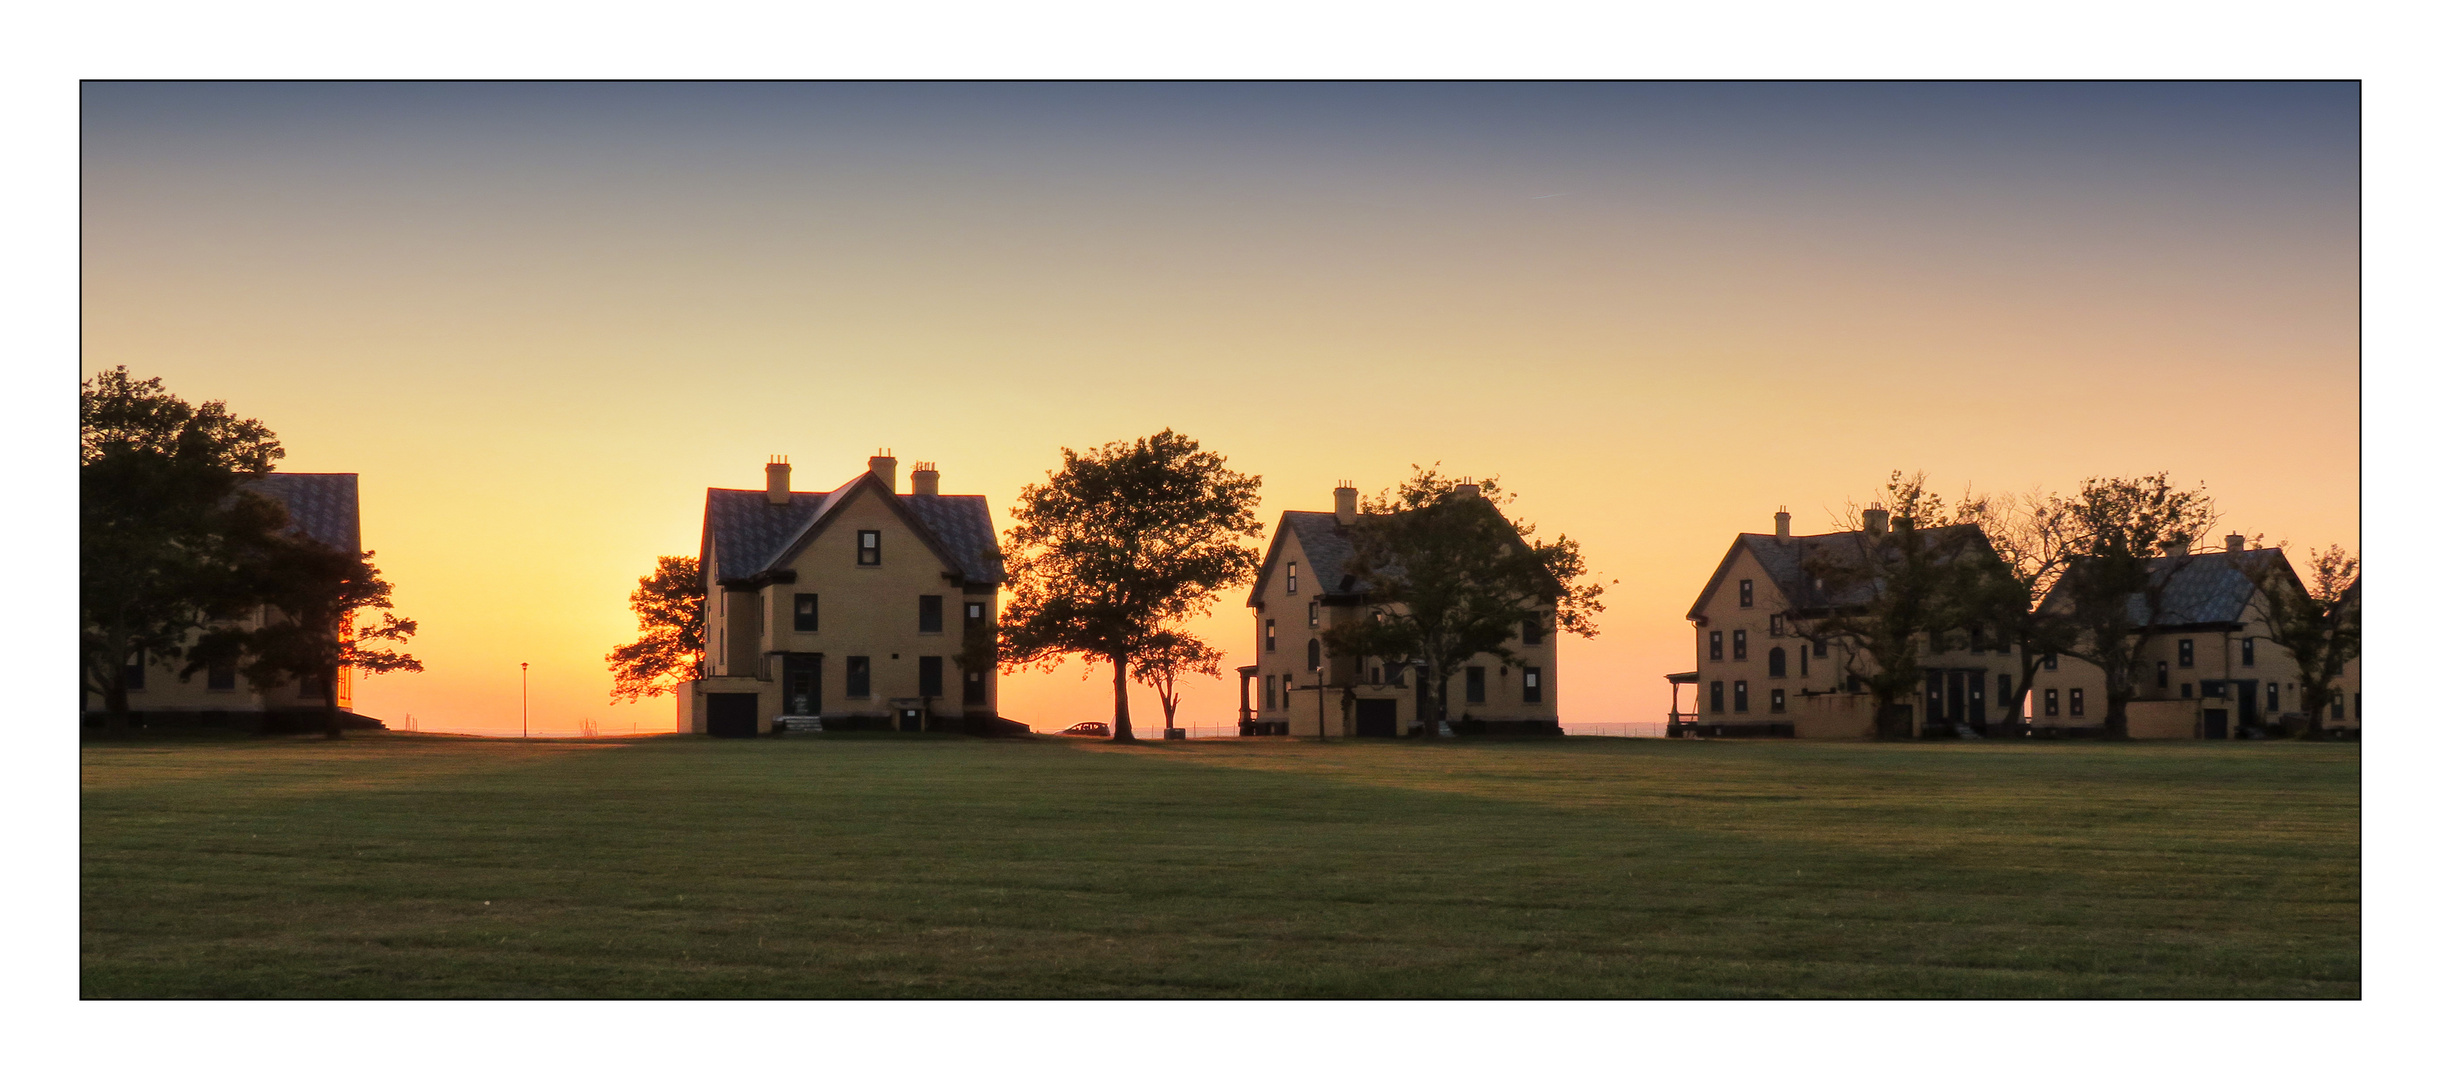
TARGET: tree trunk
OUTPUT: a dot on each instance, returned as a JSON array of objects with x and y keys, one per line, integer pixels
[
  {"x": 1440, "y": 707},
  {"x": 2114, "y": 718},
  {"x": 2315, "y": 706},
  {"x": 1120, "y": 729},
  {"x": 330, "y": 706}
]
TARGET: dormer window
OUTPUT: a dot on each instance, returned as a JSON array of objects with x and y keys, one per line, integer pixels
[
  {"x": 1292, "y": 579},
  {"x": 868, "y": 547}
]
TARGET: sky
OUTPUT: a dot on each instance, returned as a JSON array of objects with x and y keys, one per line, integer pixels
[{"x": 538, "y": 319}]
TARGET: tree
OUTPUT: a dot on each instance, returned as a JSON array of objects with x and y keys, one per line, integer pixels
[
  {"x": 160, "y": 512},
  {"x": 1167, "y": 655},
  {"x": 1119, "y": 545},
  {"x": 2131, "y": 541},
  {"x": 1890, "y": 586},
  {"x": 317, "y": 592},
  {"x": 1446, "y": 577},
  {"x": 669, "y": 607},
  {"x": 2034, "y": 537},
  {"x": 2320, "y": 623}
]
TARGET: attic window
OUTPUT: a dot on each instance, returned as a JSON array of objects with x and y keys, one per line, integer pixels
[
  {"x": 868, "y": 547},
  {"x": 1292, "y": 579},
  {"x": 1746, "y": 592}
]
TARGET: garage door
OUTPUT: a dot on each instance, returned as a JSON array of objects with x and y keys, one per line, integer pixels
[{"x": 731, "y": 716}]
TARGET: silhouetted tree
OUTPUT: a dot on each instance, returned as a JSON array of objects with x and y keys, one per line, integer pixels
[
  {"x": 1446, "y": 577},
  {"x": 1118, "y": 546},
  {"x": 2131, "y": 540},
  {"x": 1892, "y": 586},
  {"x": 312, "y": 634},
  {"x": 2033, "y": 537},
  {"x": 669, "y": 607},
  {"x": 2320, "y": 623},
  {"x": 160, "y": 514},
  {"x": 1168, "y": 655}
]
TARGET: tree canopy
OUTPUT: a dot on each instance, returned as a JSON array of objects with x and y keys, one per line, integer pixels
[
  {"x": 2131, "y": 540},
  {"x": 669, "y": 649},
  {"x": 2320, "y": 621},
  {"x": 1119, "y": 545},
  {"x": 1899, "y": 588}
]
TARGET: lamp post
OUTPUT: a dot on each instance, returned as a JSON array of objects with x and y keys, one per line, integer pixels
[{"x": 521, "y": 732}]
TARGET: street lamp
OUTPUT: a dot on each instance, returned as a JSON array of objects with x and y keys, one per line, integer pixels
[{"x": 521, "y": 732}]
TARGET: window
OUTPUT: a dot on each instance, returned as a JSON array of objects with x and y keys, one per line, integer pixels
[
  {"x": 928, "y": 614},
  {"x": 222, "y": 675},
  {"x": 2271, "y": 697},
  {"x": 2076, "y": 701},
  {"x": 1269, "y": 690},
  {"x": 309, "y": 688},
  {"x": 974, "y": 614},
  {"x": 1376, "y": 676},
  {"x": 928, "y": 676},
  {"x": 1737, "y": 696},
  {"x": 1716, "y": 696},
  {"x": 1292, "y": 579},
  {"x": 1716, "y": 644},
  {"x": 1974, "y": 640},
  {"x": 1287, "y": 683},
  {"x": 1737, "y": 644},
  {"x": 1822, "y": 649},
  {"x": 1271, "y": 635},
  {"x": 2161, "y": 674},
  {"x": 2051, "y": 701},
  {"x": 860, "y": 676},
  {"x": 1313, "y": 654},
  {"x": 2246, "y": 652},
  {"x": 809, "y": 613},
  {"x": 868, "y": 547},
  {"x": 1531, "y": 633},
  {"x": 1779, "y": 626},
  {"x": 135, "y": 671},
  {"x": 1313, "y": 614},
  {"x": 1778, "y": 660},
  {"x": 1534, "y": 685},
  {"x": 1746, "y": 592},
  {"x": 1779, "y": 700},
  {"x": 2186, "y": 652},
  {"x": 1474, "y": 686},
  {"x": 2186, "y": 689},
  {"x": 2338, "y": 707},
  {"x": 974, "y": 687},
  {"x": 2051, "y": 661},
  {"x": 1804, "y": 666},
  {"x": 2005, "y": 701}
]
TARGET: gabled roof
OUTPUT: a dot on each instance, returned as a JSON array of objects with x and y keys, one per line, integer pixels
[
  {"x": 321, "y": 506},
  {"x": 1330, "y": 554},
  {"x": 2205, "y": 587},
  {"x": 751, "y": 536},
  {"x": 1785, "y": 564}
]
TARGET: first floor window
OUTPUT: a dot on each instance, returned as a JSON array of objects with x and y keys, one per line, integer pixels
[
  {"x": 2005, "y": 701},
  {"x": 1717, "y": 694},
  {"x": 134, "y": 672},
  {"x": 2271, "y": 697},
  {"x": 928, "y": 676},
  {"x": 1779, "y": 700},
  {"x": 1270, "y": 689},
  {"x": 221, "y": 676},
  {"x": 974, "y": 687},
  {"x": 1474, "y": 686},
  {"x": 1776, "y": 662},
  {"x": 928, "y": 614},
  {"x": 860, "y": 676},
  {"x": 2161, "y": 674},
  {"x": 2186, "y": 689},
  {"x": 1737, "y": 644},
  {"x": 1313, "y": 654},
  {"x": 2338, "y": 706},
  {"x": 2186, "y": 652},
  {"x": 2051, "y": 701},
  {"x": 1737, "y": 696},
  {"x": 2076, "y": 701},
  {"x": 1534, "y": 685},
  {"x": 2246, "y": 652},
  {"x": 1805, "y": 667}
]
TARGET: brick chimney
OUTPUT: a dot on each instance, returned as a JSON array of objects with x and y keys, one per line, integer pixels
[
  {"x": 1779, "y": 525},
  {"x": 926, "y": 478},
  {"x": 886, "y": 467},
  {"x": 1343, "y": 503},
  {"x": 775, "y": 481},
  {"x": 1877, "y": 520},
  {"x": 2235, "y": 542}
]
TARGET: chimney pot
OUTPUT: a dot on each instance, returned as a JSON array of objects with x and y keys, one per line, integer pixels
[
  {"x": 1343, "y": 504},
  {"x": 775, "y": 481},
  {"x": 1470, "y": 491},
  {"x": 926, "y": 478},
  {"x": 886, "y": 467},
  {"x": 1779, "y": 524},
  {"x": 2235, "y": 542}
]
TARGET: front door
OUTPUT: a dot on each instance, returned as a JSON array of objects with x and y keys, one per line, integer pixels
[
  {"x": 1377, "y": 717},
  {"x": 730, "y": 716},
  {"x": 801, "y": 684},
  {"x": 1956, "y": 712},
  {"x": 2250, "y": 712}
]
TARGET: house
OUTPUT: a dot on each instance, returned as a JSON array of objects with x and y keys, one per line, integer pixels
[
  {"x": 322, "y": 507},
  {"x": 862, "y": 606},
  {"x": 1757, "y": 675},
  {"x": 1296, "y": 688},
  {"x": 2207, "y": 670}
]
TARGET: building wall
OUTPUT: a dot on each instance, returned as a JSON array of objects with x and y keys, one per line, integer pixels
[{"x": 165, "y": 692}]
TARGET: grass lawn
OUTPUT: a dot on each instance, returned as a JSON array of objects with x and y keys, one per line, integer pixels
[{"x": 889, "y": 866}]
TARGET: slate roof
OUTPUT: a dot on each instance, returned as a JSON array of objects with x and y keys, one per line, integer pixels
[
  {"x": 1785, "y": 564},
  {"x": 2210, "y": 587},
  {"x": 321, "y": 506},
  {"x": 750, "y": 535}
]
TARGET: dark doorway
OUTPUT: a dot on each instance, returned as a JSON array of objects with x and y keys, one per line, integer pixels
[
  {"x": 2250, "y": 712},
  {"x": 730, "y": 716},
  {"x": 801, "y": 684},
  {"x": 1974, "y": 700},
  {"x": 1423, "y": 698},
  {"x": 2216, "y": 723},
  {"x": 1956, "y": 712},
  {"x": 911, "y": 720},
  {"x": 1377, "y": 718}
]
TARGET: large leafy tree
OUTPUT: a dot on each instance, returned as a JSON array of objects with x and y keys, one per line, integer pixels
[
  {"x": 2320, "y": 623},
  {"x": 162, "y": 520},
  {"x": 1119, "y": 546},
  {"x": 1893, "y": 585},
  {"x": 2132, "y": 541},
  {"x": 1447, "y": 577},
  {"x": 316, "y": 593},
  {"x": 669, "y": 648}
]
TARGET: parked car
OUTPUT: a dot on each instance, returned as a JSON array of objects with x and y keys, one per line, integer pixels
[{"x": 1089, "y": 727}]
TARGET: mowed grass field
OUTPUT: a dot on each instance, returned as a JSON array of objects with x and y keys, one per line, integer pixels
[{"x": 913, "y": 866}]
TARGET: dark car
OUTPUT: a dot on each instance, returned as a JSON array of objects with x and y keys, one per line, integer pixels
[{"x": 1089, "y": 727}]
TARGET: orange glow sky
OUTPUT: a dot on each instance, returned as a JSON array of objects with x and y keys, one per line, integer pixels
[{"x": 539, "y": 320}]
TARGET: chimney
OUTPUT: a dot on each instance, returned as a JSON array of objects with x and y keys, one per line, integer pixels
[
  {"x": 1779, "y": 524},
  {"x": 1468, "y": 489},
  {"x": 1343, "y": 503},
  {"x": 775, "y": 481},
  {"x": 885, "y": 467},
  {"x": 2235, "y": 542},
  {"x": 1877, "y": 520},
  {"x": 926, "y": 478},
  {"x": 2174, "y": 548}
]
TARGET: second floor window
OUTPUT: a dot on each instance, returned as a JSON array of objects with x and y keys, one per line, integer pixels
[
  {"x": 1737, "y": 645},
  {"x": 1716, "y": 645},
  {"x": 2186, "y": 652},
  {"x": 2051, "y": 661},
  {"x": 809, "y": 613},
  {"x": 1822, "y": 649},
  {"x": 1532, "y": 632},
  {"x": 1271, "y": 635},
  {"x": 1746, "y": 592},
  {"x": 1716, "y": 695},
  {"x": 1313, "y": 654},
  {"x": 868, "y": 547},
  {"x": 2076, "y": 701},
  {"x": 928, "y": 614},
  {"x": 974, "y": 613},
  {"x": 1777, "y": 660},
  {"x": 1313, "y": 614},
  {"x": 2246, "y": 652},
  {"x": 1779, "y": 700},
  {"x": 1779, "y": 626}
]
